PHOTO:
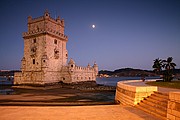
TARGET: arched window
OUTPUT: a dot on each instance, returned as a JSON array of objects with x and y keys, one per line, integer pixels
[{"x": 34, "y": 40}]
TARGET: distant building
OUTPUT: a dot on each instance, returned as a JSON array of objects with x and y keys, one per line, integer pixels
[{"x": 45, "y": 55}]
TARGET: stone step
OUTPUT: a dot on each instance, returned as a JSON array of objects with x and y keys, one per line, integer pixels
[
  {"x": 150, "y": 112},
  {"x": 156, "y": 104},
  {"x": 154, "y": 109},
  {"x": 158, "y": 98},
  {"x": 163, "y": 107},
  {"x": 154, "y": 100},
  {"x": 161, "y": 95}
]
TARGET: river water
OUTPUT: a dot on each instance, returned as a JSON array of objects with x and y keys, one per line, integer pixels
[{"x": 112, "y": 81}]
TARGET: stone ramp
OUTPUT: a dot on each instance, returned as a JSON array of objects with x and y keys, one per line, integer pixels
[{"x": 99, "y": 112}]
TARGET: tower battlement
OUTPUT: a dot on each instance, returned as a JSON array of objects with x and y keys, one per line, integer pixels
[{"x": 46, "y": 22}]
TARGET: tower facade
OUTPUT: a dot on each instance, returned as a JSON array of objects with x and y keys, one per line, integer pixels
[{"x": 45, "y": 54}]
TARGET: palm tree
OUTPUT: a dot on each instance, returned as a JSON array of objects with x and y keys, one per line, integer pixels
[
  {"x": 169, "y": 66},
  {"x": 157, "y": 65}
]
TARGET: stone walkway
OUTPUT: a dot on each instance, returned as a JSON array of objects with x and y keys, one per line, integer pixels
[
  {"x": 102, "y": 112},
  {"x": 160, "y": 89}
]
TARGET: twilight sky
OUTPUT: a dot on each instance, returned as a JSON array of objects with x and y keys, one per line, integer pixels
[{"x": 128, "y": 33}]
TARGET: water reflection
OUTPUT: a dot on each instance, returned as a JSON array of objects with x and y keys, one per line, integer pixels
[
  {"x": 6, "y": 91},
  {"x": 5, "y": 85},
  {"x": 6, "y": 80},
  {"x": 112, "y": 81}
]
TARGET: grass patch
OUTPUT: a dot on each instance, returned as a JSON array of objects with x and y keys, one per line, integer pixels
[{"x": 172, "y": 84}]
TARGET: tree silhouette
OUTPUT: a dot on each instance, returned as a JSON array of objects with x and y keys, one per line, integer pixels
[
  {"x": 168, "y": 66},
  {"x": 157, "y": 65}
]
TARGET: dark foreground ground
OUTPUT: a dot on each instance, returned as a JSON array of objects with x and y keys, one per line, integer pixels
[{"x": 59, "y": 95}]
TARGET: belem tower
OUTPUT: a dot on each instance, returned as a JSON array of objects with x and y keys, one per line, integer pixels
[{"x": 45, "y": 55}]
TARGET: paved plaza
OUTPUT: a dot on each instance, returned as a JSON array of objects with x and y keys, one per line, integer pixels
[{"x": 100, "y": 112}]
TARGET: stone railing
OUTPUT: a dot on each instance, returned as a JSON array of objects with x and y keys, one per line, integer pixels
[
  {"x": 132, "y": 95},
  {"x": 173, "y": 110}
]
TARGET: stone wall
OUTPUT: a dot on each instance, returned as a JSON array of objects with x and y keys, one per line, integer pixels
[
  {"x": 173, "y": 110},
  {"x": 132, "y": 95},
  {"x": 17, "y": 77}
]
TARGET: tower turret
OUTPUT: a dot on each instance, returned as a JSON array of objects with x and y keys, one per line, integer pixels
[
  {"x": 71, "y": 65},
  {"x": 46, "y": 14},
  {"x": 95, "y": 68}
]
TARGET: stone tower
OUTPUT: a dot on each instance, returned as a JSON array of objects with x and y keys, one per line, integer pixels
[{"x": 45, "y": 54}]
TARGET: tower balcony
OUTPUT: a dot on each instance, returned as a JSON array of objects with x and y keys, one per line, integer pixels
[{"x": 48, "y": 31}]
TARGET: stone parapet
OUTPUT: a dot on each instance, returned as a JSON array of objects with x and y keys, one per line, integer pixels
[
  {"x": 132, "y": 95},
  {"x": 45, "y": 31},
  {"x": 42, "y": 18},
  {"x": 78, "y": 68},
  {"x": 173, "y": 110}
]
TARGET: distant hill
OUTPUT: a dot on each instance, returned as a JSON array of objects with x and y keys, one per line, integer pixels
[{"x": 130, "y": 72}]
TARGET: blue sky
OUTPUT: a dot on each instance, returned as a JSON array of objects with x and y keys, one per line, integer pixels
[{"x": 128, "y": 33}]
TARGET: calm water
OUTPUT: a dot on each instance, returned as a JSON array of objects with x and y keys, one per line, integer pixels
[
  {"x": 6, "y": 81},
  {"x": 112, "y": 81},
  {"x": 4, "y": 89}
]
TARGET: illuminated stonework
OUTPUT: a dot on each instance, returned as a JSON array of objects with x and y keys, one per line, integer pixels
[{"x": 45, "y": 55}]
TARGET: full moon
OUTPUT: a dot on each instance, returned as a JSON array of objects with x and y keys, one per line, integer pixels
[{"x": 93, "y": 26}]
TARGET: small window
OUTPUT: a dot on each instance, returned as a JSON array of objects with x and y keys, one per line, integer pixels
[
  {"x": 44, "y": 60},
  {"x": 71, "y": 65},
  {"x": 34, "y": 61},
  {"x": 34, "y": 40},
  {"x": 55, "y": 41},
  {"x": 33, "y": 49}
]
